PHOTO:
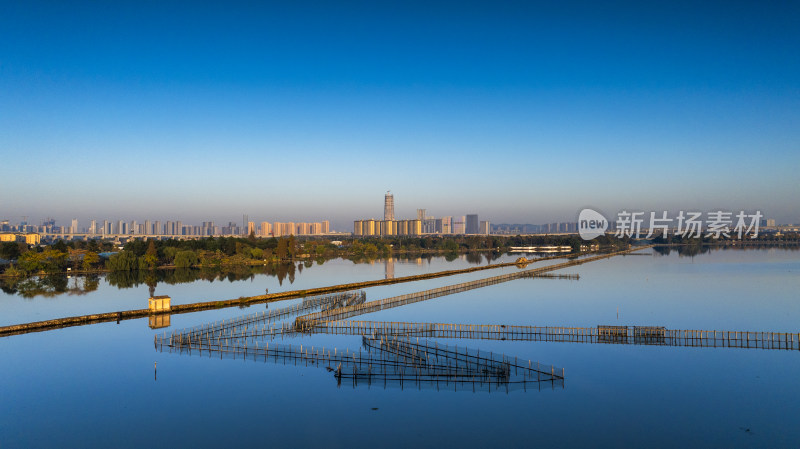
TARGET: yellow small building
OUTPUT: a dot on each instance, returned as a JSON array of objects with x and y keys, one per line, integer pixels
[{"x": 159, "y": 303}]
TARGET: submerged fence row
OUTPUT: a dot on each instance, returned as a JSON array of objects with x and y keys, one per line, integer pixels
[
  {"x": 640, "y": 335},
  {"x": 326, "y": 302},
  {"x": 636, "y": 335},
  {"x": 397, "y": 301}
]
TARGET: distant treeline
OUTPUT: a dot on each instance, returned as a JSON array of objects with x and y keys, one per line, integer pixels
[{"x": 138, "y": 254}]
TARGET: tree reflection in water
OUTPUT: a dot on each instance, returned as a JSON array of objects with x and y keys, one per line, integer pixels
[{"x": 51, "y": 285}]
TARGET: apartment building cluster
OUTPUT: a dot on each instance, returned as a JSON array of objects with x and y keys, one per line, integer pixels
[
  {"x": 168, "y": 228},
  {"x": 278, "y": 229}
]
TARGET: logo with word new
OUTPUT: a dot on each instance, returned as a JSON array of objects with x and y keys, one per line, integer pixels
[{"x": 591, "y": 224}]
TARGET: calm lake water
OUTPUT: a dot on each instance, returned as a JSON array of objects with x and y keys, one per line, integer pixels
[{"x": 95, "y": 386}]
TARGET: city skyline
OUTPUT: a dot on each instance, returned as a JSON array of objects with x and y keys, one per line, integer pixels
[
  {"x": 528, "y": 113},
  {"x": 84, "y": 225}
]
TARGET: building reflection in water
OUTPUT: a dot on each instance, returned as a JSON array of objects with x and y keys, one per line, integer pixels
[{"x": 388, "y": 268}]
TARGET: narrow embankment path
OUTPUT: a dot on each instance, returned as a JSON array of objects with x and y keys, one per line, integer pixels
[{"x": 58, "y": 323}]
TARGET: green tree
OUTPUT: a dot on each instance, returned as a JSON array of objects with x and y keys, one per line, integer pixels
[
  {"x": 186, "y": 258},
  {"x": 291, "y": 246},
  {"x": 170, "y": 252},
  {"x": 151, "y": 255},
  {"x": 93, "y": 246},
  {"x": 10, "y": 251},
  {"x": 89, "y": 259},
  {"x": 123, "y": 261},
  {"x": 59, "y": 246},
  {"x": 31, "y": 262},
  {"x": 49, "y": 260},
  {"x": 282, "y": 248}
]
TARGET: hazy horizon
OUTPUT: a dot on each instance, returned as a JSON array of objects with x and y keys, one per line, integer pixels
[{"x": 521, "y": 112}]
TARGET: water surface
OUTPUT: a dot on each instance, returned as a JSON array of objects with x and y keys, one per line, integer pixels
[{"x": 96, "y": 386}]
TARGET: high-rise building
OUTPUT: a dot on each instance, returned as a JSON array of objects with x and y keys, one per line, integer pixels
[
  {"x": 459, "y": 225},
  {"x": 388, "y": 206},
  {"x": 251, "y": 227},
  {"x": 444, "y": 225},
  {"x": 284, "y": 229},
  {"x": 472, "y": 224},
  {"x": 266, "y": 228},
  {"x": 74, "y": 228},
  {"x": 420, "y": 214},
  {"x": 414, "y": 227},
  {"x": 429, "y": 225},
  {"x": 388, "y": 228},
  {"x": 326, "y": 226},
  {"x": 93, "y": 227},
  {"x": 484, "y": 228}
]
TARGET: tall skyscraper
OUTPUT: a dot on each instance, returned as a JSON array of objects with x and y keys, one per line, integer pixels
[
  {"x": 388, "y": 206},
  {"x": 472, "y": 224},
  {"x": 74, "y": 228},
  {"x": 420, "y": 214}
]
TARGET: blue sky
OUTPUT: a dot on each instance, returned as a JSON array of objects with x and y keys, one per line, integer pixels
[{"x": 517, "y": 111}]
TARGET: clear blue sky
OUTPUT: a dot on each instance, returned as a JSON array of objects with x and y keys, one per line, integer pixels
[{"x": 518, "y": 111}]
